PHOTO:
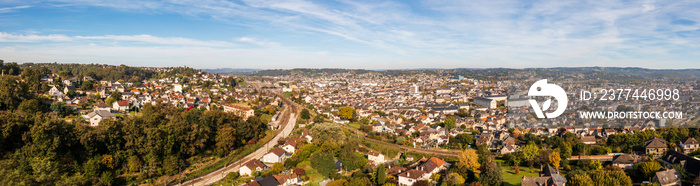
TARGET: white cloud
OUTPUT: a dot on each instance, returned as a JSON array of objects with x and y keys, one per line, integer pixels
[
  {"x": 12, "y": 9},
  {"x": 29, "y": 38},
  {"x": 259, "y": 43}
]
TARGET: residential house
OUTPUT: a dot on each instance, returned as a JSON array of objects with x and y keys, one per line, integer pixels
[
  {"x": 411, "y": 176},
  {"x": 655, "y": 146},
  {"x": 431, "y": 166},
  {"x": 101, "y": 106},
  {"x": 122, "y": 106},
  {"x": 376, "y": 158},
  {"x": 276, "y": 155},
  {"x": 548, "y": 177},
  {"x": 669, "y": 177},
  {"x": 305, "y": 135},
  {"x": 250, "y": 166},
  {"x": 98, "y": 115},
  {"x": 690, "y": 164},
  {"x": 689, "y": 145},
  {"x": 67, "y": 89},
  {"x": 55, "y": 92},
  {"x": 624, "y": 161},
  {"x": 508, "y": 148},
  {"x": 243, "y": 112},
  {"x": 290, "y": 145},
  {"x": 589, "y": 140}
]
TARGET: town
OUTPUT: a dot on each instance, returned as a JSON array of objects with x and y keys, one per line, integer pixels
[{"x": 354, "y": 127}]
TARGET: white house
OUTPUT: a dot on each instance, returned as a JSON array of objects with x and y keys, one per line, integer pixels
[
  {"x": 290, "y": 145},
  {"x": 96, "y": 116},
  {"x": 375, "y": 157},
  {"x": 177, "y": 88},
  {"x": 305, "y": 135},
  {"x": 121, "y": 105},
  {"x": 100, "y": 106},
  {"x": 276, "y": 155},
  {"x": 411, "y": 176},
  {"x": 55, "y": 92},
  {"x": 252, "y": 165}
]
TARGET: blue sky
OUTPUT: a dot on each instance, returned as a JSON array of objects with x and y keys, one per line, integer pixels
[{"x": 353, "y": 34}]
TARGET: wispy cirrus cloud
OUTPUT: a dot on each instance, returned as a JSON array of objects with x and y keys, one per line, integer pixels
[
  {"x": 12, "y": 9},
  {"x": 143, "y": 38}
]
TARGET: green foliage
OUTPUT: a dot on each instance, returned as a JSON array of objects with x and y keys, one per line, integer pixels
[
  {"x": 647, "y": 169},
  {"x": 305, "y": 114},
  {"x": 323, "y": 133},
  {"x": 319, "y": 118},
  {"x": 351, "y": 160},
  {"x": 12, "y": 91},
  {"x": 59, "y": 108},
  {"x": 454, "y": 179},
  {"x": 107, "y": 178},
  {"x": 380, "y": 175},
  {"x": 323, "y": 162},
  {"x": 450, "y": 122},
  {"x": 530, "y": 151},
  {"x": 491, "y": 174},
  {"x": 232, "y": 175},
  {"x": 579, "y": 180}
]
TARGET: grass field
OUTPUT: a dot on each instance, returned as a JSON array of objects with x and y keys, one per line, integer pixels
[
  {"x": 355, "y": 125},
  {"x": 510, "y": 179},
  {"x": 314, "y": 176}
]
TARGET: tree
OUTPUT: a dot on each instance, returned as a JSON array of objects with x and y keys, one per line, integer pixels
[
  {"x": 450, "y": 122},
  {"x": 31, "y": 106},
  {"x": 602, "y": 178},
  {"x": 554, "y": 159},
  {"x": 579, "y": 180},
  {"x": 305, "y": 114},
  {"x": 347, "y": 113},
  {"x": 107, "y": 178},
  {"x": 59, "y": 108},
  {"x": 491, "y": 174},
  {"x": 323, "y": 162},
  {"x": 468, "y": 160},
  {"x": 379, "y": 176},
  {"x": 647, "y": 169},
  {"x": 71, "y": 93},
  {"x": 226, "y": 139},
  {"x": 530, "y": 151},
  {"x": 327, "y": 133},
  {"x": 277, "y": 168},
  {"x": 318, "y": 118},
  {"x": 454, "y": 179},
  {"x": 12, "y": 91}
]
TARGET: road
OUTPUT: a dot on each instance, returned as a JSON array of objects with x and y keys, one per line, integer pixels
[{"x": 288, "y": 121}]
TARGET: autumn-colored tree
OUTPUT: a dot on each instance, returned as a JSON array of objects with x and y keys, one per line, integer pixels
[
  {"x": 554, "y": 159},
  {"x": 346, "y": 113},
  {"x": 109, "y": 161},
  {"x": 469, "y": 160},
  {"x": 579, "y": 180}
]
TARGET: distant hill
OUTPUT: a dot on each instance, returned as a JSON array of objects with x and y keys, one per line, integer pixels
[
  {"x": 643, "y": 72},
  {"x": 306, "y": 72},
  {"x": 229, "y": 70}
]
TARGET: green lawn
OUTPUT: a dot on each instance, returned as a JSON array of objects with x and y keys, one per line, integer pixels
[
  {"x": 510, "y": 179},
  {"x": 314, "y": 176},
  {"x": 355, "y": 125}
]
